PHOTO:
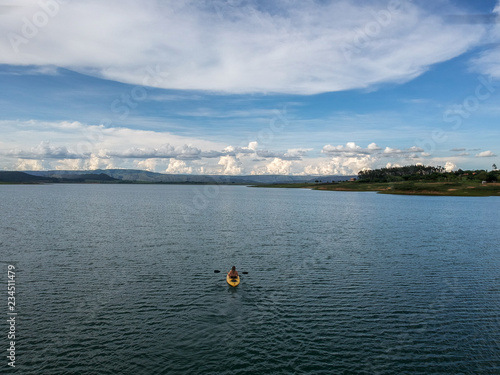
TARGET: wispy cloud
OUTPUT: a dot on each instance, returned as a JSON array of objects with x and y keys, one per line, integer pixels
[
  {"x": 301, "y": 47},
  {"x": 488, "y": 61}
]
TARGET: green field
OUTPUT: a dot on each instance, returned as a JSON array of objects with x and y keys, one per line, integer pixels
[{"x": 460, "y": 188}]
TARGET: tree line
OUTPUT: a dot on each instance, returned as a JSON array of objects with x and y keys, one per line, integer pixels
[{"x": 422, "y": 172}]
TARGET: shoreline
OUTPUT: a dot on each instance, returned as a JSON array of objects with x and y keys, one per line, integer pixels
[
  {"x": 453, "y": 189},
  {"x": 426, "y": 188}
]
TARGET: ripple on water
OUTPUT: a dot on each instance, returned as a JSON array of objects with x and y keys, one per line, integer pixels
[{"x": 119, "y": 279}]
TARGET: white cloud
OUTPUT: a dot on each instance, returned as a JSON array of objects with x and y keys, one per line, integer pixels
[
  {"x": 232, "y": 150},
  {"x": 45, "y": 150},
  {"x": 488, "y": 61},
  {"x": 178, "y": 167},
  {"x": 449, "y": 166},
  {"x": 72, "y": 140},
  {"x": 296, "y": 153},
  {"x": 29, "y": 165},
  {"x": 373, "y": 147},
  {"x": 230, "y": 165},
  {"x": 148, "y": 164},
  {"x": 351, "y": 149},
  {"x": 253, "y": 145},
  {"x": 410, "y": 152},
  {"x": 389, "y": 150},
  {"x": 77, "y": 146},
  {"x": 485, "y": 154},
  {"x": 341, "y": 165},
  {"x": 351, "y": 158},
  {"x": 279, "y": 166},
  {"x": 98, "y": 162},
  {"x": 303, "y": 46},
  {"x": 291, "y": 154},
  {"x": 164, "y": 151},
  {"x": 69, "y": 164}
]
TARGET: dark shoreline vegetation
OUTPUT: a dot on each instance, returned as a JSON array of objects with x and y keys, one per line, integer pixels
[
  {"x": 407, "y": 180},
  {"x": 415, "y": 180}
]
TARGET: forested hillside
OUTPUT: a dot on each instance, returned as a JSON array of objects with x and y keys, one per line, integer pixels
[{"x": 426, "y": 173}]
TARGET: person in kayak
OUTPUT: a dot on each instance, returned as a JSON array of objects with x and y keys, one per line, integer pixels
[{"x": 233, "y": 272}]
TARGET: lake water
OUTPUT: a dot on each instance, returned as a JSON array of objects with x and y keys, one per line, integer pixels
[{"x": 119, "y": 279}]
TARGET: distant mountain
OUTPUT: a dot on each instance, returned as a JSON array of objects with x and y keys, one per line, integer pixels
[
  {"x": 24, "y": 178},
  {"x": 87, "y": 177},
  {"x": 132, "y": 175},
  {"x": 30, "y": 178}
]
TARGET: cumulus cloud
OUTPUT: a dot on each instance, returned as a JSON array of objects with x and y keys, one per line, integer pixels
[
  {"x": 351, "y": 158},
  {"x": 449, "y": 166},
  {"x": 291, "y": 154},
  {"x": 147, "y": 164},
  {"x": 253, "y": 145},
  {"x": 29, "y": 165},
  {"x": 184, "y": 152},
  {"x": 352, "y": 149},
  {"x": 232, "y": 150},
  {"x": 390, "y": 150},
  {"x": 81, "y": 146},
  {"x": 410, "y": 152},
  {"x": 230, "y": 165},
  {"x": 303, "y": 47},
  {"x": 187, "y": 152},
  {"x": 164, "y": 151},
  {"x": 45, "y": 151},
  {"x": 296, "y": 153},
  {"x": 87, "y": 143},
  {"x": 69, "y": 164},
  {"x": 373, "y": 147},
  {"x": 485, "y": 154},
  {"x": 279, "y": 166},
  {"x": 178, "y": 167},
  {"x": 340, "y": 165},
  {"x": 98, "y": 162},
  {"x": 78, "y": 146}
]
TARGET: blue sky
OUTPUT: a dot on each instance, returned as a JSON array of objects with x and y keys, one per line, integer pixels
[{"x": 249, "y": 87}]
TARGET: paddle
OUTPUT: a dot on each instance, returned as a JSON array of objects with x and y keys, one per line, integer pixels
[{"x": 244, "y": 273}]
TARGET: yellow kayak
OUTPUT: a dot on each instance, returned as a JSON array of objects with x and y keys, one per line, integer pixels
[{"x": 233, "y": 281}]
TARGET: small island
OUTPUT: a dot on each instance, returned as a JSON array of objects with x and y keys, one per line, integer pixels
[{"x": 414, "y": 180}]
